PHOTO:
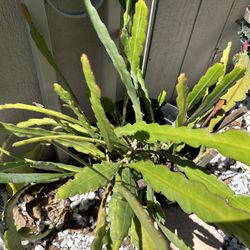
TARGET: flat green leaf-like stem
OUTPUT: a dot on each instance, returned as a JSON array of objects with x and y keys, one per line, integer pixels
[
  {"x": 159, "y": 240},
  {"x": 139, "y": 30},
  {"x": 206, "y": 81},
  {"x": 39, "y": 110},
  {"x": 11, "y": 237},
  {"x": 88, "y": 180},
  {"x": 218, "y": 91},
  {"x": 193, "y": 196},
  {"x": 54, "y": 166},
  {"x": 181, "y": 100},
  {"x": 120, "y": 212},
  {"x": 27, "y": 132},
  {"x": 116, "y": 58},
  {"x": 106, "y": 130},
  {"x": 31, "y": 178},
  {"x": 235, "y": 94},
  {"x": 232, "y": 143}
]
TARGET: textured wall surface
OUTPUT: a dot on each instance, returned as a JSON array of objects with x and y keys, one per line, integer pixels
[
  {"x": 18, "y": 82},
  {"x": 72, "y": 37},
  {"x": 188, "y": 36}
]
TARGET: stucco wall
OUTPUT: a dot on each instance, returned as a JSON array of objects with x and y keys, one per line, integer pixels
[{"x": 18, "y": 82}]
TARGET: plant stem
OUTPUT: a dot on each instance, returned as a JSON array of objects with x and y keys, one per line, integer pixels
[
  {"x": 124, "y": 110},
  {"x": 57, "y": 137},
  {"x": 4, "y": 145},
  {"x": 3, "y": 151},
  {"x": 84, "y": 163},
  {"x": 40, "y": 110},
  {"x": 160, "y": 241}
]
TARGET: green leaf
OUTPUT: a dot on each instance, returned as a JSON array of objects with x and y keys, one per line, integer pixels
[
  {"x": 235, "y": 94},
  {"x": 225, "y": 57},
  {"x": 31, "y": 178},
  {"x": 79, "y": 143},
  {"x": 89, "y": 179},
  {"x": 231, "y": 143},
  {"x": 125, "y": 37},
  {"x": 181, "y": 100},
  {"x": 218, "y": 91},
  {"x": 25, "y": 234},
  {"x": 106, "y": 129},
  {"x": 224, "y": 60},
  {"x": 210, "y": 78},
  {"x": 10, "y": 166},
  {"x": 37, "y": 122},
  {"x": 146, "y": 221},
  {"x": 179, "y": 243},
  {"x": 216, "y": 187},
  {"x": 77, "y": 128},
  {"x": 139, "y": 30},
  {"x": 145, "y": 97},
  {"x": 120, "y": 212},
  {"x": 116, "y": 58},
  {"x": 161, "y": 99},
  {"x": 53, "y": 166},
  {"x": 39, "y": 110},
  {"x": 11, "y": 237},
  {"x": 139, "y": 236},
  {"x": 6, "y": 140},
  {"x": 27, "y": 132},
  {"x": 65, "y": 96},
  {"x": 83, "y": 147},
  {"x": 192, "y": 196},
  {"x": 100, "y": 232}
]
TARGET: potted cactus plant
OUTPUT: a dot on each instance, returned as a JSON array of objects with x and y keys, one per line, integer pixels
[{"x": 125, "y": 155}]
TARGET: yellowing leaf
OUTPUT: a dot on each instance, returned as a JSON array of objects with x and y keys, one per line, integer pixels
[
  {"x": 106, "y": 130},
  {"x": 181, "y": 100},
  {"x": 236, "y": 93}
]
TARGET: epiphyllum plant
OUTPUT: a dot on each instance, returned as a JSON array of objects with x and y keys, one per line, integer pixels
[{"x": 123, "y": 155}]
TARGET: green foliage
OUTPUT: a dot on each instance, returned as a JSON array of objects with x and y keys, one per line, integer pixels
[
  {"x": 65, "y": 96},
  {"x": 41, "y": 110},
  {"x": 11, "y": 237},
  {"x": 100, "y": 232},
  {"x": 139, "y": 236},
  {"x": 103, "y": 124},
  {"x": 223, "y": 142},
  {"x": 132, "y": 162},
  {"x": 120, "y": 211},
  {"x": 139, "y": 29},
  {"x": 159, "y": 241},
  {"x": 193, "y": 196},
  {"x": 116, "y": 58},
  {"x": 210, "y": 78},
  {"x": 181, "y": 100},
  {"x": 218, "y": 91},
  {"x": 236, "y": 93},
  {"x": 89, "y": 179},
  {"x": 31, "y": 178}
]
